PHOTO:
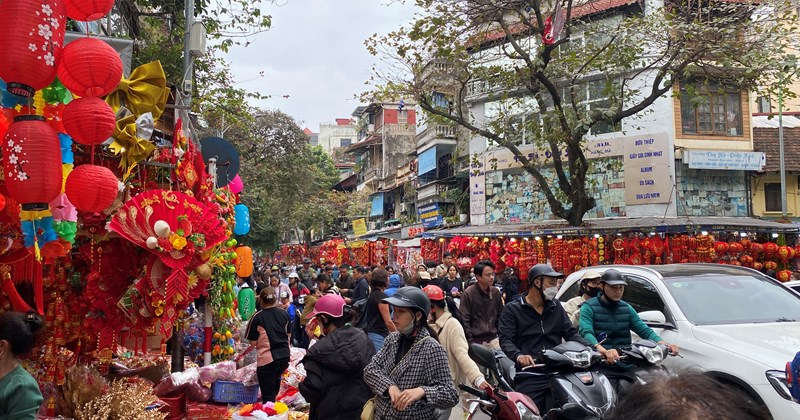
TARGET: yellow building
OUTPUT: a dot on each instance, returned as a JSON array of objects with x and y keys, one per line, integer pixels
[{"x": 766, "y": 185}]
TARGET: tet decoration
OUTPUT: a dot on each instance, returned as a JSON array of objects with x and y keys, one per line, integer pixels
[
  {"x": 244, "y": 261},
  {"x": 89, "y": 120},
  {"x": 90, "y": 67},
  {"x": 91, "y": 188},
  {"x": 88, "y": 10},
  {"x": 32, "y": 162},
  {"x": 33, "y": 37},
  {"x": 242, "y": 226}
]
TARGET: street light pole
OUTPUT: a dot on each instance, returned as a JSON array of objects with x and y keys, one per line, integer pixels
[{"x": 780, "y": 147}]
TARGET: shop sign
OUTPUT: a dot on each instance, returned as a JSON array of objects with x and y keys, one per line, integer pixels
[
  {"x": 430, "y": 216},
  {"x": 360, "y": 227},
  {"x": 409, "y": 232},
  {"x": 648, "y": 170},
  {"x": 725, "y": 160}
]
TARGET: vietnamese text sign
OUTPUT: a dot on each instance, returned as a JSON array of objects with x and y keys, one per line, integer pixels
[
  {"x": 648, "y": 171},
  {"x": 724, "y": 160},
  {"x": 430, "y": 216},
  {"x": 360, "y": 227}
]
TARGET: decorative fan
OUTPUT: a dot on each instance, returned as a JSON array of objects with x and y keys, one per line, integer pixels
[{"x": 173, "y": 226}]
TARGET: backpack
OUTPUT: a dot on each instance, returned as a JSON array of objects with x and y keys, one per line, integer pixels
[
  {"x": 793, "y": 376},
  {"x": 361, "y": 309}
]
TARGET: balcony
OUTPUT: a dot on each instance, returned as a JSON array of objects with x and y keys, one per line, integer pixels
[
  {"x": 437, "y": 134},
  {"x": 370, "y": 174},
  {"x": 433, "y": 190}
]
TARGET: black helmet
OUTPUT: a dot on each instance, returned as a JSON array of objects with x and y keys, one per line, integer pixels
[
  {"x": 410, "y": 297},
  {"x": 542, "y": 270},
  {"x": 613, "y": 277}
]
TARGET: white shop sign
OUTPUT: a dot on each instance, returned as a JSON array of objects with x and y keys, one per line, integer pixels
[{"x": 724, "y": 160}]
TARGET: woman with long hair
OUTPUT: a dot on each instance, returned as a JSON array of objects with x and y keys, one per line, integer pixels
[
  {"x": 379, "y": 320},
  {"x": 334, "y": 383},
  {"x": 409, "y": 376},
  {"x": 446, "y": 322},
  {"x": 269, "y": 331},
  {"x": 20, "y": 397}
]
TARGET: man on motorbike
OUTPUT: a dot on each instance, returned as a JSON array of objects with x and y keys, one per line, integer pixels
[
  {"x": 609, "y": 314},
  {"x": 531, "y": 323}
]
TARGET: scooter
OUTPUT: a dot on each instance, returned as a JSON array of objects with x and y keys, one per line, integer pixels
[
  {"x": 577, "y": 392},
  {"x": 644, "y": 358}
]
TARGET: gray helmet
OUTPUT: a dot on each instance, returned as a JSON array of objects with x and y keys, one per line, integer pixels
[
  {"x": 613, "y": 277},
  {"x": 410, "y": 297},
  {"x": 542, "y": 270}
]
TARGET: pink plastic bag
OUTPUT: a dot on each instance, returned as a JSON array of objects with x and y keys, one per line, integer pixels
[{"x": 222, "y": 371}]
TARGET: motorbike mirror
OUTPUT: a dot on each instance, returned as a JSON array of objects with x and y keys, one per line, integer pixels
[{"x": 482, "y": 355}]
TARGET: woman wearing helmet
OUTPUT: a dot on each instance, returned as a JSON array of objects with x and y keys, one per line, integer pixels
[
  {"x": 334, "y": 384},
  {"x": 446, "y": 322},
  {"x": 410, "y": 375}
]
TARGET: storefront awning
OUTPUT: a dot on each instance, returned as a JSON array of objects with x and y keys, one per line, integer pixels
[{"x": 621, "y": 225}]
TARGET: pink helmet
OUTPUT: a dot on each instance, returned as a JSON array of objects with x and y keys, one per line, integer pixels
[{"x": 331, "y": 304}]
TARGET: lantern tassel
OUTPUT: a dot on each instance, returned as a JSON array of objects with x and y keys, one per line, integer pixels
[{"x": 36, "y": 251}]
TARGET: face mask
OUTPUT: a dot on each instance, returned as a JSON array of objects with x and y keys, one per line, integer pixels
[
  {"x": 550, "y": 293},
  {"x": 592, "y": 291},
  {"x": 409, "y": 328}
]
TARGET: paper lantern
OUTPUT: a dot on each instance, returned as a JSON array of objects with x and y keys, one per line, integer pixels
[
  {"x": 770, "y": 248},
  {"x": 91, "y": 188},
  {"x": 88, "y": 10},
  {"x": 756, "y": 248},
  {"x": 770, "y": 265},
  {"x": 90, "y": 67},
  {"x": 785, "y": 253},
  {"x": 32, "y": 162},
  {"x": 242, "y": 217},
  {"x": 721, "y": 247},
  {"x": 244, "y": 261},
  {"x": 89, "y": 120},
  {"x": 236, "y": 185},
  {"x": 735, "y": 248},
  {"x": 757, "y": 265},
  {"x": 33, "y": 38},
  {"x": 784, "y": 275}
]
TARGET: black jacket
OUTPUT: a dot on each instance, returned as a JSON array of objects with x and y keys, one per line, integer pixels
[
  {"x": 334, "y": 384},
  {"x": 523, "y": 331}
]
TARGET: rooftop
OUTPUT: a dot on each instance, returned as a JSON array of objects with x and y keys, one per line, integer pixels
[{"x": 766, "y": 140}]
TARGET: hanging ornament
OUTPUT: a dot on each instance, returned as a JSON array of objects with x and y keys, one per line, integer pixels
[
  {"x": 90, "y": 67},
  {"x": 32, "y": 162},
  {"x": 33, "y": 36},
  {"x": 88, "y": 10},
  {"x": 89, "y": 120},
  {"x": 91, "y": 188}
]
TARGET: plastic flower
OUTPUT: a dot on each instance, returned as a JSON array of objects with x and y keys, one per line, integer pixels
[
  {"x": 159, "y": 307},
  {"x": 280, "y": 407},
  {"x": 178, "y": 242}
]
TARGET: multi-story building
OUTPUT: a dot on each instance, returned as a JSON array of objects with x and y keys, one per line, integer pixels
[
  {"x": 665, "y": 162},
  {"x": 766, "y": 184},
  {"x": 384, "y": 142},
  {"x": 337, "y": 136}
]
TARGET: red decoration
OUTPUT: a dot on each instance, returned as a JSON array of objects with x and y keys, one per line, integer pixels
[
  {"x": 89, "y": 120},
  {"x": 785, "y": 253},
  {"x": 91, "y": 188},
  {"x": 721, "y": 247},
  {"x": 784, "y": 275},
  {"x": 770, "y": 248},
  {"x": 90, "y": 67},
  {"x": 32, "y": 162},
  {"x": 735, "y": 248},
  {"x": 2, "y": 202},
  {"x": 756, "y": 248},
  {"x": 757, "y": 265},
  {"x": 33, "y": 37},
  {"x": 770, "y": 265},
  {"x": 88, "y": 10}
]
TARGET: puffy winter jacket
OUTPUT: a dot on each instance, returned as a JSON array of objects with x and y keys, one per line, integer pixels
[
  {"x": 334, "y": 384},
  {"x": 616, "y": 319}
]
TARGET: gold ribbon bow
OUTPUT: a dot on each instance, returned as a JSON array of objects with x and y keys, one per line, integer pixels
[
  {"x": 145, "y": 91},
  {"x": 132, "y": 140}
]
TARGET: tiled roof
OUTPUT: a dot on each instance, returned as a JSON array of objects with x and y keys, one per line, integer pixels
[{"x": 766, "y": 140}]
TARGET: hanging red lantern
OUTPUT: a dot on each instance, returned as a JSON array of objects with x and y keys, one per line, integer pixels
[
  {"x": 88, "y": 10},
  {"x": 770, "y": 248},
  {"x": 2, "y": 202},
  {"x": 32, "y": 162},
  {"x": 721, "y": 247},
  {"x": 784, "y": 275},
  {"x": 91, "y": 188},
  {"x": 33, "y": 37},
  {"x": 757, "y": 265},
  {"x": 785, "y": 253},
  {"x": 770, "y": 265},
  {"x": 90, "y": 67},
  {"x": 89, "y": 120},
  {"x": 756, "y": 248},
  {"x": 735, "y": 248}
]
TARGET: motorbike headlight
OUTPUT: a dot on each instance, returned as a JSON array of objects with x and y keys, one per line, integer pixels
[
  {"x": 777, "y": 378},
  {"x": 654, "y": 355},
  {"x": 525, "y": 413},
  {"x": 580, "y": 359}
]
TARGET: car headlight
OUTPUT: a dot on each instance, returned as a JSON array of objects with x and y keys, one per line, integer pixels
[
  {"x": 525, "y": 414},
  {"x": 580, "y": 359},
  {"x": 654, "y": 355},
  {"x": 777, "y": 378}
]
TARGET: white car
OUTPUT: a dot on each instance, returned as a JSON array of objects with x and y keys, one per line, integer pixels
[
  {"x": 736, "y": 324},
  {"x": 794, "y": 285}
]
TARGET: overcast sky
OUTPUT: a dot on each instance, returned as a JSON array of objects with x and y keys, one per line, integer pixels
[{"x": 315, "y": 54}]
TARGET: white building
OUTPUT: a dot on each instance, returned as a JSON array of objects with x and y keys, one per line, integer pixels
[{"x": 334, "y": 136}]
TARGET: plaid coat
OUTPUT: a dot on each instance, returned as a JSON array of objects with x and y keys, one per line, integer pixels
[{"x": 425, "y": 365}]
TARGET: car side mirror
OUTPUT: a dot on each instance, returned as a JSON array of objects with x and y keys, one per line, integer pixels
[{"x": 655, "y": 319}]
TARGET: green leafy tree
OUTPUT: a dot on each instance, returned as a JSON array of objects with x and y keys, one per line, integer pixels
[{"x": 457, "y": 49}]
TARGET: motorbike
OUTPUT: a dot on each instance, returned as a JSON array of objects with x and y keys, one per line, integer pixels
[
  {"x": 642, "y": 360},
  {"x": 577, "y": 392}
]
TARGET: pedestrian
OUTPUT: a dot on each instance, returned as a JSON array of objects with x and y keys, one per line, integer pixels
[
  {"x": 379, "y": 321},
  {"x": 246, "y": 298},
  {"x": 446, "y": 322},
  {"x": 325, "y": 287},
  {"x": 424, "y": 279},
  {"x": 509, "y": 284},
  {"x": 281, "y": 288},
  {"x": 298, "y": 290},
  {"x": 441, "y": 269},
  {"x": 345, "y": 282},
  {"x": 361, "y": 286},
  {"x": 394, "y": 284},
  {"x": 451, "y": 284},
  {"x": 410, "y": 376},
  {"x": 481, "y": 306},
  {"x": 268, "y": 330},
  {"x": 334, "y": 383},
  {"x": 307, "y": 274},
  {"x": 20, "y": 397}
]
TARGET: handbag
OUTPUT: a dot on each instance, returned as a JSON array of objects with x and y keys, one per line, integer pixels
[{"x": 368, "y": 411}]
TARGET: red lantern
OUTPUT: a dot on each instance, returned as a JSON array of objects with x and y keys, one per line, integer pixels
[
  {"x": 721, "y": 247},
  {"x": 33, "y": 36},
  {"x": 89, "y": 120},
  {"x": 797, "y": 250},
  {"x": 32, "y": 162},
  {"x": 88, "y": 10},
  {"x": 756, "y": 248},
  {"x": 785, "y": 253},
  {"x": 90, "y": 67},
  {"x": 770, "y": 265},
  {"x": 735, "y": 248},
  {"x": 91, "y": 188},
  {"x": 784, "y": 275},
  {"x": 770, "y": 248},
  {"x": 757, "y": 266},
  {"x": 2, "y": 202}
]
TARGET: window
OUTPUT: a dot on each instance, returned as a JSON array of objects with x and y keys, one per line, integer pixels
[
  {"x": 710, "y": 109},
  {"x": 642, "y": 295},
  {"x": 596, "y": 94},
  {"x": 344, "y": 142},
  {"x": 772, "y": 197},
  {"x": 402, "y": 116},
  {"x": 764, "y": 105}
]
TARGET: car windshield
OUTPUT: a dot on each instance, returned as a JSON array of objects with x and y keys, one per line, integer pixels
[{"x": 723, "y": 299}]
